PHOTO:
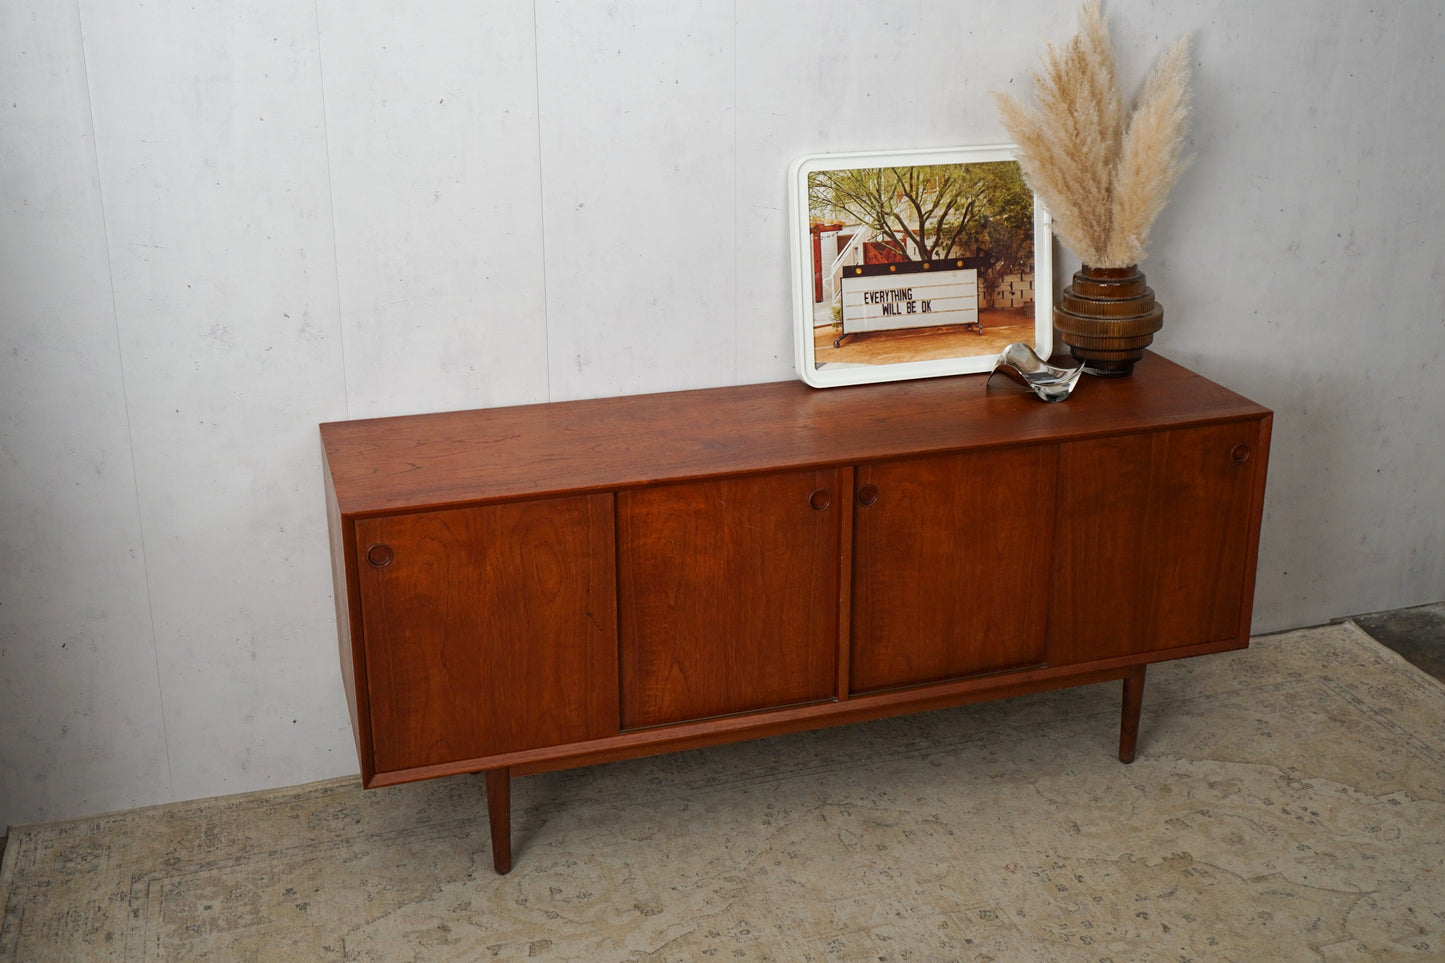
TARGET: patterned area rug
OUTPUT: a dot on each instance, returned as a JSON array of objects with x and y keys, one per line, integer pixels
[{"x": 1288, "y": 803}]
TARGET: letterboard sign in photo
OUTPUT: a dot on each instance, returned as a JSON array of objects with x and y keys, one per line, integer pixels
[{"x": 915, "y": 264}]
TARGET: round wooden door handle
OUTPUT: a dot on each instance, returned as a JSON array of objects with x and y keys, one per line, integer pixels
[
  {"x": 868, "y": 494},
  {"x": 1240, "y": 454},
  {"x": 820, "y": 499},
  {"x": 380, "y": 555}
]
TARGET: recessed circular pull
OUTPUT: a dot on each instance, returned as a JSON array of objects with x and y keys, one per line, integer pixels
[
  {"x": 867, "y": 495},
  {"x": 380, "y": 555},
  {"x": 820, "y": 499},
  {"x": 1240, "y": 454}
]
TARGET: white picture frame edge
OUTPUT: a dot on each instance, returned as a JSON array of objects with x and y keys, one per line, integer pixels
[{"x": 801, "y": 257}]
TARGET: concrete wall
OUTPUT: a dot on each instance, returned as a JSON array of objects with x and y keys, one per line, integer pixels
[{"x": 223, "y": 223}]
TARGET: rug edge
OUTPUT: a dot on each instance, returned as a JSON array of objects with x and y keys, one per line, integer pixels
[
  {"x": 1390, "y": 655},
  {"x": 318, "y": 785}
]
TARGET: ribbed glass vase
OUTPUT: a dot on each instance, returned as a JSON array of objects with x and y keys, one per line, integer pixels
[{"x": 1107, "y": 317}]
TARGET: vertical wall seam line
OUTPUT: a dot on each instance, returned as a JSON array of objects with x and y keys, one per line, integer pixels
[
  {"x": 541, "y": 199},
  {"x": 737, "y": 205},
  {"x": 125, "y": 402},
  {"x": 331, "y": 201}
]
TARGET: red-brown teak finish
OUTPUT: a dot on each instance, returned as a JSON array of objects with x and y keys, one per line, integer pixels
[
  {"x": 529, "y": 588},
  {"x": 488, "y": 629},
  {"x": 951, "y": 557},
  {"x": 692, "y": 648},
  {"x": 1170, "y": 512}
]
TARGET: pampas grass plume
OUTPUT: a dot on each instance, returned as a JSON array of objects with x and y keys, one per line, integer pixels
[{"x": 1103, "y": 181}]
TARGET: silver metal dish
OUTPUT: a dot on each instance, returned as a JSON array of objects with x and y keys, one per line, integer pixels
[{"x": 1019, "y": 362}]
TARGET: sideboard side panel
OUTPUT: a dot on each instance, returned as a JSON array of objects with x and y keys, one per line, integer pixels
[
  {"x": 348, "y": 625},
  {"x": 1256, "y": 522}
]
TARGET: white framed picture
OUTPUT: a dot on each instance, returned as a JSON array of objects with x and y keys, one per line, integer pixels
[{"x": 915, "y": 264}]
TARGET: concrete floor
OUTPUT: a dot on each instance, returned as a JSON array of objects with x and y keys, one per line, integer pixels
[{"x": 1416, "y": 633}]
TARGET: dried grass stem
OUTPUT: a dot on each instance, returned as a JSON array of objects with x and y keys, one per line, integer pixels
[{"x": 1103, "y": 181}]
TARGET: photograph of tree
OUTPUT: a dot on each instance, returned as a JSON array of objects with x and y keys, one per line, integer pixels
[{"x": 920, "y": 262}]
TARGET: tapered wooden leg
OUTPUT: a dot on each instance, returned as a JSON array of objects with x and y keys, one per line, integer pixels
[
  {"x": 1133, "y": 702},
  {"x": 499, "y": 817}
]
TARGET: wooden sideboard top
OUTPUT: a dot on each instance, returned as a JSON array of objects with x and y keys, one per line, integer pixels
[{"x": 433, "y": 460}]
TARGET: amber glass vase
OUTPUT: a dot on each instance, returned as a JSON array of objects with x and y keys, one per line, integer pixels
[{"x": 1107, "y": 317}]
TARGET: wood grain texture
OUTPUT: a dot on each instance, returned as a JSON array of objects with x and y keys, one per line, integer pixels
[
  {"x": 1152, "y": 541},
  {"x": 1129, "y": 718},
  {"x": 428, "y": 461},
  {"x": 771, "y": 722},
  {"x": 727, "y": 595},
  {"x": 347, "y": 599},
  {"x": 951, "y": 566},
  {"x": 499, "y": 818},
  {"x": 1256, "y": 522},
  {"x": 470, "y": 650},
  {"x": 491, "y": 630}
]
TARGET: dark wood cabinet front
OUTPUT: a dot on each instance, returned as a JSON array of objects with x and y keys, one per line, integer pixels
[
  {"x": 529, "y": 588},
  {"x": 1153, "y": 541},
  {"x": 489, "y": 629},
  {"x": 951, "y": 566},
  {"x": 728, "y": 595}
]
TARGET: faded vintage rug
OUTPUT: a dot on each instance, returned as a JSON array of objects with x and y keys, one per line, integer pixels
[{"x": 1288, "y": 803}]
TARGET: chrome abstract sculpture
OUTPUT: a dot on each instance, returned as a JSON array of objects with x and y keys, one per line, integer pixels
[{"x": 1019, "y": 362}]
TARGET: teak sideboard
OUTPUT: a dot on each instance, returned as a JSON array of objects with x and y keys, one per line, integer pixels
[{"x": 536, "y": 587}]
